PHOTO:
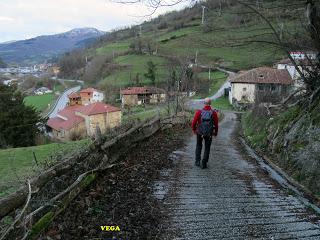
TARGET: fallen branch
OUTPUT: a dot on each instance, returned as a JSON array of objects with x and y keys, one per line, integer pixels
[
  {"x": 46, "y": 214},
  {"x": 113, "y": 149},
  {"x": 19, "y": 217},
  {"x": 57, "y": 204}
]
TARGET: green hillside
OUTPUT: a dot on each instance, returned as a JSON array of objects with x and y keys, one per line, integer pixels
[{"x": 231, "y": 37}]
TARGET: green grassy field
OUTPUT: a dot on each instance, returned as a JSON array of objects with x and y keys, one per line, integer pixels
[
  {"x": 217, "y": 79},
  {"x": 136, "y": 64},
  {"x": 222, "y": 103},
  {"x": 118, "y": 47},
  {"x": 40, "y": 102},
  {"x": 17, "y": 164},
  {"x": 184, "y": 43}
]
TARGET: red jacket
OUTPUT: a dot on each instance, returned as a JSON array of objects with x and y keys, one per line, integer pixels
[{"x": 197, "y": 120}]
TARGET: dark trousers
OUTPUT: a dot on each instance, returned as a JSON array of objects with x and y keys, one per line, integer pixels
[{"x": 207, "y": 144}]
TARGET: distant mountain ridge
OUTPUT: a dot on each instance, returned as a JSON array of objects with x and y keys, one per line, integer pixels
[{"x": 41, "y": 48}]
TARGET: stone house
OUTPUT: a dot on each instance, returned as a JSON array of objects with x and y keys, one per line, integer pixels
[
  {"x": 246, "y": 87},
  {"x": 82, "y": 120},
  {"x": 134, "y": 96},
  {"x": 90, "y": 95},
  {"x": 85, "y": 97}
]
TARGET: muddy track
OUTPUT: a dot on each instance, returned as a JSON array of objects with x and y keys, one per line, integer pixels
[{"x": 234, "y": 198}]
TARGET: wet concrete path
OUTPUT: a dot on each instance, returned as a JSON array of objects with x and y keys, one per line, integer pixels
[{"x": 233, "y": 198}]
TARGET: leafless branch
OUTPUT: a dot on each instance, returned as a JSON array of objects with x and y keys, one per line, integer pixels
[{"x": 19, "y": 217}]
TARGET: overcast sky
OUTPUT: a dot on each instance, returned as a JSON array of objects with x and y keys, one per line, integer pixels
[{"x": 22, "y": 19}]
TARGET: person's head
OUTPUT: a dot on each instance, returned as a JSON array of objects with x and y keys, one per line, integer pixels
[{"x": 207, "y": 101}]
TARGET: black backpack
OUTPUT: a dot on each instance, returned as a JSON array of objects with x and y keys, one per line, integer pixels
[{"x": 206, "y": 126}]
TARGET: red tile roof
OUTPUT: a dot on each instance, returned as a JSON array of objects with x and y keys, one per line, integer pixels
[
  {"x": 299, "y": 62},
  {"x": 68, "y": 119},
  {"x": 141, "y": 90},
  {"x": 74, "y": 95},
  {"x": 67, "y": 113},
  {"x": 96, "y": 108},
  {"x": 88, "y": 90},
  {"x": 264, "y": 75}
]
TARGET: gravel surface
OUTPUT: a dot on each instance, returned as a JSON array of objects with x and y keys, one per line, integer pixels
[
  {"x": 158, "y": 193},
  {"x": 234, "y": 198}
]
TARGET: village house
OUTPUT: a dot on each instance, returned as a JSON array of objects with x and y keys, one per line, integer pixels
[
  {"x": 91, "y": 95},
  {"x": 74, "y": 99},
  {"x": 134, "y": 96},
  {"x": 80, "y": 121},
  {"x": 85, "y": 97},
  {"x": 263, "y": 81},
  {"x": 303, "y": 65},
  {"x": 42, "y": 90}
]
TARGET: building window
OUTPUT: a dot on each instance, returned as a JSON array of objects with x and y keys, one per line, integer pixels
[
  {"x": 261, "y": 87},
  {"x": 273, "y": 88},
  {"x": 244, "y": 89}
]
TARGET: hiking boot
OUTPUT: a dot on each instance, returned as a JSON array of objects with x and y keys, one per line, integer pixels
[
  {"x": 204, "y": 165},
  {"x": 197, "y": 163}
]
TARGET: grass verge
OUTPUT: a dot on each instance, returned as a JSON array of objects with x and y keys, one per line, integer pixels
[
  {"x": 40, "y": 102},
  {"x": 18, "y": 164}
]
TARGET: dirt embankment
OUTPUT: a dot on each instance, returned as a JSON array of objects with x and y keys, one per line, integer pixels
[{"x": 123, "y": 197}]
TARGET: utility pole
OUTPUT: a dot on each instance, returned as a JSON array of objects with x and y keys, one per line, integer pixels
[
  {"x": 203, "y": 7},
  {"x": 209, "y": 73},
  {"x": 177, "y": 95},
  {"x": 140, "y": 31},
  {"x": 196, "y": 59}
]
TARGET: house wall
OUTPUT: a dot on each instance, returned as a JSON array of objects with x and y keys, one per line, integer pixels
[
  {"x": 79, "y": 129},
  {"x": 86, "y": 98},
  {"x": 243, "y": 92},
  {"x": 86, "y": 122},
  {"x": 158, "y": 98},
  {"x": 75, "y": 101},
  {"x": 97, "y": 97},
  {"x": 114, "y": 119},
  {"x": 105, "y": 121},
  {"x": 129, "y": 100},
  {"x": 291, "y": 69}
]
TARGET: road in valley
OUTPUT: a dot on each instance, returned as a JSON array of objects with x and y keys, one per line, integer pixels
[{"x": 198, "y": 103}]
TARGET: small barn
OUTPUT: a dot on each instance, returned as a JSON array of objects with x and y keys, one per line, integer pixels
[{"x": 135, "y": 96}]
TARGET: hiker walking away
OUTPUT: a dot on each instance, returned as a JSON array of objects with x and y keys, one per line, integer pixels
[{"x": 204, "y": 125}]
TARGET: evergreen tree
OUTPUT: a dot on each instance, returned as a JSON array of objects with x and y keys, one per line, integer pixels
[
  {"x": 18, "y": 122},
  {"x": 151, "y": 74}
]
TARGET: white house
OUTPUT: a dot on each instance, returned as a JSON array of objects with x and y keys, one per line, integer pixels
[
  {"x": 301, "y": 55},
  {"x": 42, "y": 90},
  {"x": 246, "y": 86},
  {"x": 302, "y": 64}
]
